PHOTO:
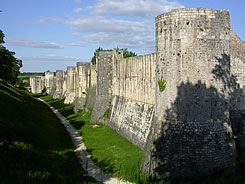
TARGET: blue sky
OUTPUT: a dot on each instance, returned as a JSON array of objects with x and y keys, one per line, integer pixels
[{"x": 54, "y": 34}]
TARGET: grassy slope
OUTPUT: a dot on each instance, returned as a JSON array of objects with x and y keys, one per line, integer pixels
[
  {"x": 34, "y": 146},
  {"x": 117, "y": 155},
  {"x": 112, "y": 152}
]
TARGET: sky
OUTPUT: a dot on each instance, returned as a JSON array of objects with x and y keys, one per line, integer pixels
[{"x": 54, "y": 34}]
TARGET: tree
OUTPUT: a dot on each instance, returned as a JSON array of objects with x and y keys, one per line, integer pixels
[
  {"x": 126, "y": 53},
  {"x": 93, "y": 60},
  {"x": 10, "y": 66}
]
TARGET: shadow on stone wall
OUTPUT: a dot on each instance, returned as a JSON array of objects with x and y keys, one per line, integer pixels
[{"x": 195, "y": 137}]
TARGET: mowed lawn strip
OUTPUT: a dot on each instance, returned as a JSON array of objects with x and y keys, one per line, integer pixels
[
  {"x": 112, "y": 152},
  {"x": 34, "y": 145}
]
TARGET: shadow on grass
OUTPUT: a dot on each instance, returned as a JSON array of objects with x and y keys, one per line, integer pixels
[
  {"x": 34, "y": 146},
  {"x": 23, "y": 163}
]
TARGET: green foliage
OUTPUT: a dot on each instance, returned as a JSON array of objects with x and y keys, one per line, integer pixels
[
  {"x": 161, "y": 84},
  {"x": 22, "y": 83},
  {"x": 126, "y": 53},
  {"x": 201, "y": 29},
  {"x": 93, "y": 60},
  {"x": 34, "y": 145},
  {"x": 1, "y": 37},
  {"x": 107, "y": 114},
  {"x": 10, "y": 66}
]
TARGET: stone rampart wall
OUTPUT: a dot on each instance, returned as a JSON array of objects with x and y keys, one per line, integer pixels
[
  {"x": 238, "y": 71},
  {"x": 133, "y": 97},
  {"x": 185, "y": 129}
]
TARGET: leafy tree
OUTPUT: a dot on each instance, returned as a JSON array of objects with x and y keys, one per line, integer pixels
[
  {"x": 126, "y": 53},
  {"x": 10, "y": 66},
  {"x": 93, "y": 60},
  {"x": 1, "y": 37}
]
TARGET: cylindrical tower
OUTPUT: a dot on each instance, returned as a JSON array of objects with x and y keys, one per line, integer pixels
[{"x": 191, "y": 134}]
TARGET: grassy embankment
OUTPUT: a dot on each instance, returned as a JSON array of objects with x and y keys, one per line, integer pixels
[
  {"x": 111, "y": 152},
  {"x": 117, "y": 155},
  {"x": 34, "y": 145}
]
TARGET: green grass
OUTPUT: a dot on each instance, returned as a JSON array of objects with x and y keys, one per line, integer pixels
[
  {"x": 34, "y": 145},
  {"x": 118, "y": 156},
  {"x": 113, "y": 153}
]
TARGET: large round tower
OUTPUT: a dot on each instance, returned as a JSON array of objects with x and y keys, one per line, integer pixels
[{"x": 191, "y": 134}]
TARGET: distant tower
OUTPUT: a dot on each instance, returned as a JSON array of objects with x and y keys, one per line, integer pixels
[
  {"x": 70, "y": 85},
  {"x": 59, "y": 84}
]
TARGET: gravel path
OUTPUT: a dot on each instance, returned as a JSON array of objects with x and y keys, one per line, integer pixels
[{"x": 87, "y": 163}]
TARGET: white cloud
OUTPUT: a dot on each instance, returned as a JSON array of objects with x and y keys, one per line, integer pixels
[
  {"x": 78, "y": 10},
  {"x": 134, "y": 8},
  {"x": 100, "y": 28},
  {"x": 32, "y": 43},
  {"x": 50, "y": 62},
  {"x": 49, "y": 57},
  {"x": 140, "y": 41},
  {"x": 76, "y": 35},
  {"x": 121, "y": 33},
  {"x": 75, "y": 44},
  {"x": 123, "y": 30},
  {"x": 100, "y": 24}
]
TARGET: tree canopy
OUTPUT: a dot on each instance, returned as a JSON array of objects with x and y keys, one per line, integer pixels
[
  {"x": 126, "y": 53},
  {"x": 10, "y": 66}
]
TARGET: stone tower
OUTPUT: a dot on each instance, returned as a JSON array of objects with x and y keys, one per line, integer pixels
[
  {"x": 59, "y": 84},
  {"x": 104, "y": 60},
  {"x": 82, "y": 85},
  {"x": 191, "y": 133},
  {"x": 49, "y": 82},
  {"x": 70, "y": 85}
]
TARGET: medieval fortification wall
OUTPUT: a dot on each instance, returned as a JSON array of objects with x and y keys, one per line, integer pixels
[{"x": 192, "y": 127}]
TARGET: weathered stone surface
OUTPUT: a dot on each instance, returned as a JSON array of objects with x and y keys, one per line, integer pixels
[
  {"x": 91, "y": 91},
  {"x": 104, "y": 60},
  {"x": 196, "y": 125},
  {"x": 37, "y": 84},
  {"x": 191, "y": 133},
  {"x": 70, "y": 85},
  {"x": 81, "y": 85},
  {"x": 59, "y": 80},
  {"x": 49, "y": 82},
  {"x": 133, "y": 97},
  {"x": 131, "y": 119}
]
